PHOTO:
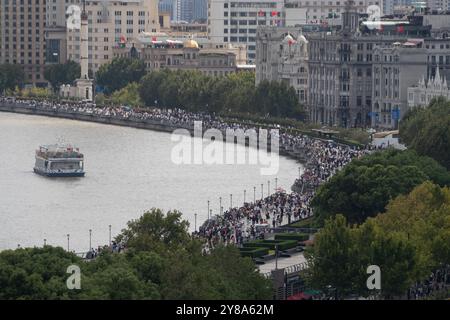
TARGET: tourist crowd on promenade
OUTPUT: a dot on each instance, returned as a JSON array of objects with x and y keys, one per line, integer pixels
[
  {"x": 437, "y": 282},
  {"x": 236, "y": 225}
]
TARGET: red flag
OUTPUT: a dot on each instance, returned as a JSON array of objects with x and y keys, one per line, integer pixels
[
  {"x": 274, "y": 13},
  {"x": 153, "y": 38},
  {"x": 260, "y": 13},
  {"x": 123, "y": 39},
  {"x": 400, "y": 29}
]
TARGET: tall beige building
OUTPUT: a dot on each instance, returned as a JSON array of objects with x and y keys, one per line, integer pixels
[
  {"x": 22, "y": 40},
  {"x": 111, "y": 23}
]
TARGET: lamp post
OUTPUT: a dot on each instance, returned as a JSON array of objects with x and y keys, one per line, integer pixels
[
  {"x": 110, "y": 235},
  {"x": 68, "y": 242},
  {"x": 90, "y": 239},
  {"x": 254, "y": 194},
  {"x": 245, "y": 191},
  {"x": 231, "y": 201},
  {"x": 262, "y": 191},
  {"x": 195, "y": 222},
  {"x": 276, "y": 184},
  {"x": 208, "y": 209},
  {"x": 268, "y": 188},
  {"x": 220, "y": 205},
  {"x": 210, "y": 213},
  {"x": 45, "y": 242},
  {"x": 276, "y": 257}
]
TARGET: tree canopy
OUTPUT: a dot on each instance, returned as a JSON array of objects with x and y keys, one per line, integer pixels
[
  {"x": 407, "y": 242},
  {"x": 364, "y": 187},
  {"x": 118, "y": 73},
  {"x": 11, "y": 76},
  {"x": 161, "y": 261},
  {"x": 128, "y": 95},
  {"x": 235, "y": 92},
  {"x": 427, "y": 130},
  {"x": 59, "y": 74}
]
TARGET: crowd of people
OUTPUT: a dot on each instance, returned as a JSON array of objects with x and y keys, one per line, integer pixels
[
  {"x": 437, "y": 282},
  {"x": 324, "y": 158}
]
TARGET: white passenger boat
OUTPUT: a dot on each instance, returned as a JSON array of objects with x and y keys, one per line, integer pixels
[{"x": 59, "y": 161}]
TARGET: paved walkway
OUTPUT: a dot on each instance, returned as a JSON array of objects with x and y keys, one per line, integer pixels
[{"x": 294, "y": 259}]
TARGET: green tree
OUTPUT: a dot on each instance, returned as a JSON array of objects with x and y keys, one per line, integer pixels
[
  {"x": 365, "y": 186},
  {"x": 424, "y": 217},
  {"x": 161, "y": 261},
  {"x": 333, "y": 258},
  {"x": 128, "y": 95},
  {"x": 35, "y": 273},
  {"x": 11, "y": 76},
  {"x": 427, "y": 130},
  {"x": 231, "y": 94},
  {"x": 119, "y": 73},
  {"x": 149, "y": 87},
  {"x": 155, "y": 231},
  {"x": 392, "y": 252},
  {"x": 59, "y": 74}
]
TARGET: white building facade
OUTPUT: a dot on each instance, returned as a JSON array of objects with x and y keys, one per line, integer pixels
[{"x": 425, "y": 91}]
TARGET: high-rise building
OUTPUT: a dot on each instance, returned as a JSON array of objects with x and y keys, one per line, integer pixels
[
  {"x": 166, "y": 6},
  {"x": 438, "y": 5},
  {"x": 200, "y": 10},
  {"x": 390, "y": 6},
  {"x": 22, "y": 37},
  {"x": 55, "y": 29},
  {"x": 235, "y": 22},
  {"x": 183, "y": 10},
  {"x": 330, "y": 11},
  {"x": 112, "y": 23}
]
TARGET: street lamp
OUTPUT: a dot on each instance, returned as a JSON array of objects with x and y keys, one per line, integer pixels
[
  {"x": 195, "y": 221},
  {"x": 276, "y": 184},
  {"x": 268, "y": 188},
  {"x": 210, "y": 213},
  {"x": 276, "y": 257},
  {"x": 208, "y": 209},
  {"x": 68, "y": 242},
  {"x": 262, "y": 190},
  {"x": 90, "y": 239},
  {"x": 231, "y": 201},
  {"x": 110, "y": 235},
  {"x": 254, "y": 194},
  {"x": 245, "y": 191},
  {"x": 220, "y": 205}
]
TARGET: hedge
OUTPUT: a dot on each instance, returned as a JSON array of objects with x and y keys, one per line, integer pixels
[
  {"x": 305, "y": 223},
  {"x": 292, "y": 236},
  {"x": 253, "y": 252},
  {"x": 282, "y": 244}
]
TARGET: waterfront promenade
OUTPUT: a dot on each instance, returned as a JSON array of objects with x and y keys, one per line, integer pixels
[{"x": 322, "y": 158}]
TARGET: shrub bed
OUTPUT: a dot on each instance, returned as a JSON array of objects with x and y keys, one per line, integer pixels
[
  {"x": 253, "y": 252},
  {"x": 292, "y": 236},
  {"x": 282, "y": 244}
]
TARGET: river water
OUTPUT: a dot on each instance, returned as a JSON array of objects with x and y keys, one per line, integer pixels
[{"x": 128, "y": 171}]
